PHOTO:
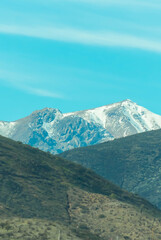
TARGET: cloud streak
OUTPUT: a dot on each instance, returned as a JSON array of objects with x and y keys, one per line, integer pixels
[
  {"x": 24, "y": 86},
  {"x": 94, "y": 38},
  {"x": 136, "y": 3},
  {"x": 42, "y": 92}
]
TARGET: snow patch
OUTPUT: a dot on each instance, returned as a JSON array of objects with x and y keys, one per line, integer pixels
[{"x": 7, "y": 128}]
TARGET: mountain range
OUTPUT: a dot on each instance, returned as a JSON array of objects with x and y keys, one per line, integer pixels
[
  {"x": 46, "y": 197},
  {"x": 50, "y": 130}
]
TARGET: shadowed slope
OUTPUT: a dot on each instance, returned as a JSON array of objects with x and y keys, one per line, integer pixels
[
  {"x": 133, "y": 163},
  {"x": 38, "y": 185}
]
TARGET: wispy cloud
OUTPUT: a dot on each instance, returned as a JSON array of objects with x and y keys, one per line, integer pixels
[
  {"x": 42, "y": 92},
  {"x": 143, "y": 3},
  {"x": 149, "y": 4},
  {"x": 25, "y": 85},
  {"x": 95, "y": 38}
]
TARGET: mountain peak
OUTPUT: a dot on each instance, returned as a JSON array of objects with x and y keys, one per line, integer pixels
[
  {"x": 50, "y": 130},
  {"x": 46, "y": 110},
  {"x": 128, "y": 101}
]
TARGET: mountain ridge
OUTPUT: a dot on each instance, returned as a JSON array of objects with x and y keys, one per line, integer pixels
[{"x": 51, "y": 130}]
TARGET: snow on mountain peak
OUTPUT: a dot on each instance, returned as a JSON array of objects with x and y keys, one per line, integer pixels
[
  {"x": 7, "y": 128},
  {"x": 46, "y": 111},
  {"x": 50, "y": 130}
]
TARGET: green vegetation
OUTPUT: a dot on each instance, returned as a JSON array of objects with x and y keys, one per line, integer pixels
[
  {"x": 133, "y": 163},
  {"x": 46, "y": 197}
]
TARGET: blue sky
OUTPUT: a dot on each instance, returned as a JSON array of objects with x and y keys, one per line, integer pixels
[{"x": 78, "y": 54}]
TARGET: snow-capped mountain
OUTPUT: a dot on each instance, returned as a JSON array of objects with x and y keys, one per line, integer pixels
[{"x": 51, "y": 130}]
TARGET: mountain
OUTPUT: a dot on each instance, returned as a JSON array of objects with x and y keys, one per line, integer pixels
[
  {"x": 46, "y": 197},
  {"x": 50, "y": 130},
  {"x": 133, "y": 163}
]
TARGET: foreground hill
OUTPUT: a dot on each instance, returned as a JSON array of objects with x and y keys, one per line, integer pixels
[
  {"x": 133, "y": 163},
  {"x": 46, "y": 197},
  {"x": 50, "y": 130}
]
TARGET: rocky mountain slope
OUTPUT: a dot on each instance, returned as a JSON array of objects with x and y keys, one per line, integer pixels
[
  {"x": 133, "y": 163},
  {"x": 50, "y": 130},
  {"x": 46, "y": 197}
]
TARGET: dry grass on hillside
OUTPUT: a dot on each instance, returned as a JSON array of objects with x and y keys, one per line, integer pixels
[{"x": 112, "y": 219}]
